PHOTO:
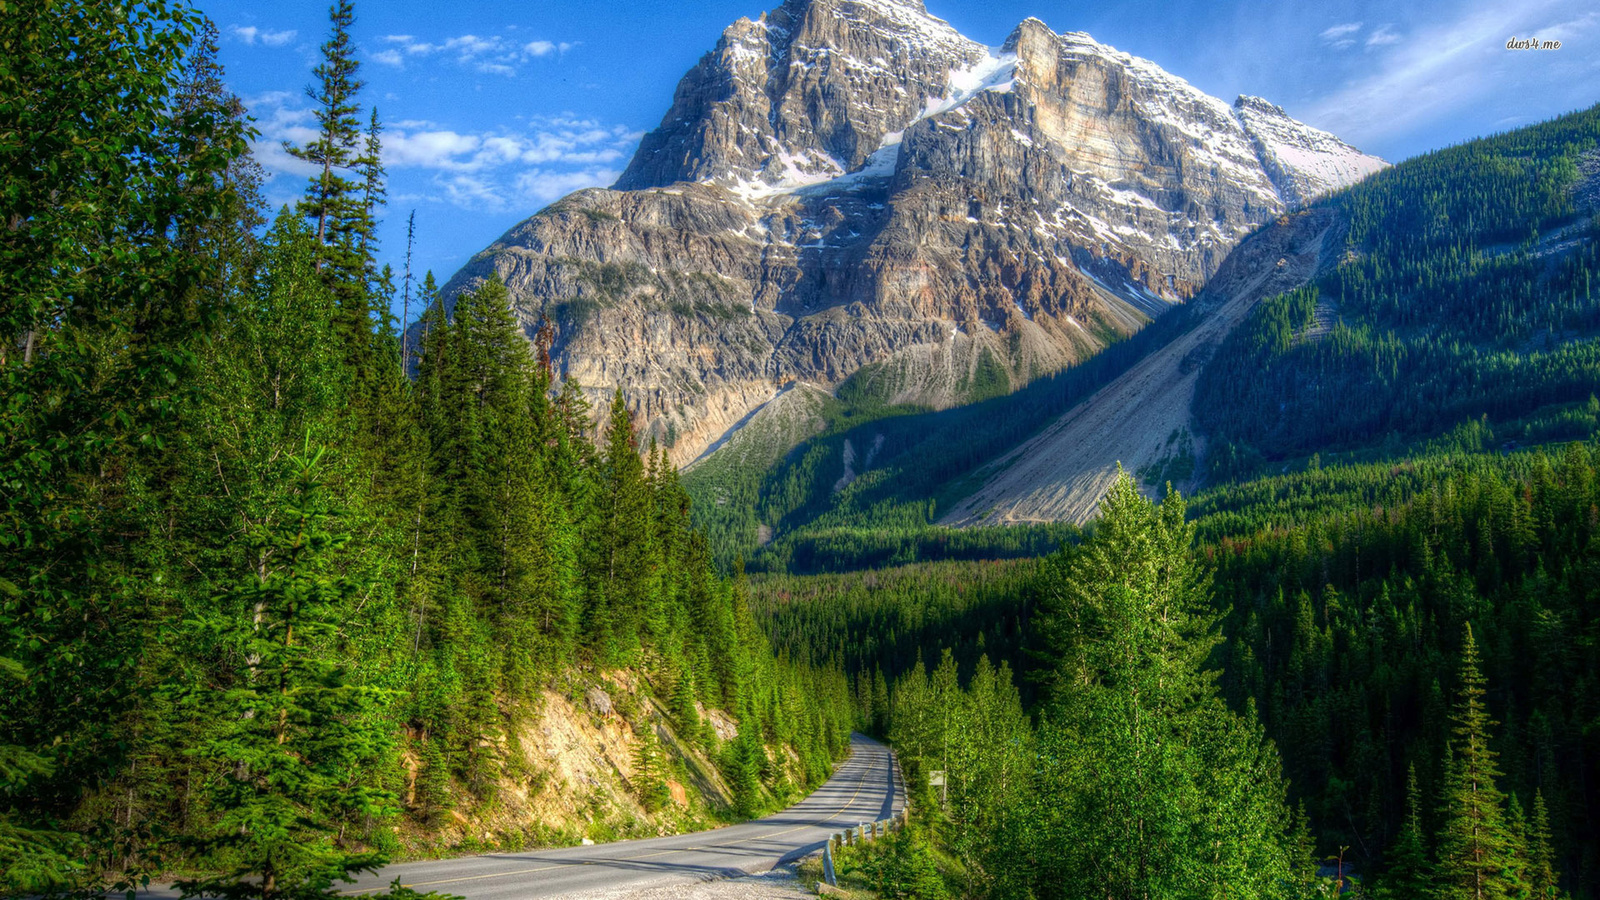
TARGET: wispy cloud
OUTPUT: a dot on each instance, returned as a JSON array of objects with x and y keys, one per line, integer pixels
[
  {"x": 1383, "y": 36},
  {"x": 250, "y": 34},
  {"x": 508, "y": 169},
  {"x": 1419, "y": 80},
  {"x": 491, "y": 55},
  {"x": 1341, "y": 36}
]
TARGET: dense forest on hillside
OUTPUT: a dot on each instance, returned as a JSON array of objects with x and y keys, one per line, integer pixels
[
  {"x": 1398, "y": 556},
  {"x": 1345, "y": 631},
  {"x": 263, "y": 597},
  {"x": 1470, "y": 286}
]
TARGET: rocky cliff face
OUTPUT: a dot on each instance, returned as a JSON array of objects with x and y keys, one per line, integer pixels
[{"x": 849, "y": 189}]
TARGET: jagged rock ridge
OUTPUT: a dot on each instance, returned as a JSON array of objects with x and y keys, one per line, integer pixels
[{"x": 851, "y": 189}]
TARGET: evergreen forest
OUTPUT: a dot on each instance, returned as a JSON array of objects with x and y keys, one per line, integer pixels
[
  {"x": 281, "y": 585},
  {"x": 289, "y": 584},
  {"x": 1361, "y": 657}
]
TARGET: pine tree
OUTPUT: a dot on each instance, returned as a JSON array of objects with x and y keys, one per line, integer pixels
[
  {"x": 743, "y": 759},
  {"x": 1516, "y": 873},
  {"x": 1407, "y": 874},
  {"x": 621, "y": 545},
  {"x": 292, "y": 727},
  {"x": 374, "y": 193},
  {"x": 1541, "y": 877},
  {"x": 334, "y": 200},
  {"x": 649, "y": 780},
  {"x": 1149, "y": 785},
  {"x": 32, "y": 860},
  {"x": 1475, "y": 849}
]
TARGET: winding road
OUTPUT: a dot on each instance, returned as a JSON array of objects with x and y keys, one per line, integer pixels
[{"x": 863, "y": 789}]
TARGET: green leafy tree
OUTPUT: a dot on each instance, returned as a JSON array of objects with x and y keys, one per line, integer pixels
[{"x": 114, "y": 174}]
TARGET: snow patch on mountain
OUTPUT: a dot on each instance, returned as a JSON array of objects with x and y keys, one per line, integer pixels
[{"x": 1303, "y": 162}]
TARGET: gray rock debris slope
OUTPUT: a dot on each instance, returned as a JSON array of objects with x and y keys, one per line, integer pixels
[{"x": 851, "y": 188}]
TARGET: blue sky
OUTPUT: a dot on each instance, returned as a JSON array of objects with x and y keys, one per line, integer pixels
[{"x": 496, "y": 108}]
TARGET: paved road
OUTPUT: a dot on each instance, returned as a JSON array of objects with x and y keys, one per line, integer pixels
[{"x": 863, "y": 789}]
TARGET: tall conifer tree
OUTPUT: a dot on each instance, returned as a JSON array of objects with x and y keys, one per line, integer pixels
[
  {"x": 291, "y": 726},
  {"x": 1475, "y": 847},
  {"x": 1408, "y": 871},
  {"x": 334, "y": 202}
]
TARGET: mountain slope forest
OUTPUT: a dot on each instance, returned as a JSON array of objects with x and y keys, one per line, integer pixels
[
  {"x": 1389, "y": 584},
  {"x": 1465, "y": 291},
  {"x": 272, "y": 610}
]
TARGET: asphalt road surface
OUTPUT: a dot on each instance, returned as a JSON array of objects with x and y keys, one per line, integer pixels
[{"x": 863, "y": 789}]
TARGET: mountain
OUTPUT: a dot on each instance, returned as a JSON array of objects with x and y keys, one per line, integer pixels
[
  {"x": 1444, "y": 304},
  {"x": 851, "y": 195}
]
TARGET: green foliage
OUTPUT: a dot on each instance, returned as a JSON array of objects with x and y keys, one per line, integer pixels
[
  {"x": 341, "y": 198},
  {"x": 32, "y": 860},
  {"x": 741, "y": 766},
  {"x": 1147, "y": 785},
  {"x": 1345, "y": 631},
  {"x": 888, "y": 620},
  {"x": 899, "y": 866},
  {"x": 231, "y": 640},
  {"x": 846, "y": 548},
  {"x": 292, "y": 732},
  {"x": 649, "y": 773},
  {"x": 1465, "y": 290},
  {"x": 1409, "y": 870},
  {"x": 1476, "y": 843}
]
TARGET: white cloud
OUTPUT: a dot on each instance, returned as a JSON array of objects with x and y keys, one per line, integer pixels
[
  {"x": 250, "y": 34},
  {"x": 1383, "y": 36},
  {"x": 1342, "y": 36},
  {"x": 428, "y": 149},
  {"x": 537, "y": 187},
  {"x": 470, "y": 46},
  {"x": 506, "y": 169},
  {"x": 491, "y": 55},
  {"x": 1438, "y": 71}
]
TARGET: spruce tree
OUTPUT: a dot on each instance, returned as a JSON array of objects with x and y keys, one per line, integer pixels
[
  {"x": 32, "y": 860},
  {"x": 1475, "y": 848},
  {"x": 374, "y": 192},
  {"x": 1149, "y": 786},
  {"x": 649, "y": 779},
  {"x": 621, "y": 546},
  {"x": 1407, "y": 874},
  {"x": 292, "y": 727},
  {"x": 334, "y": 202},
  {"x": 1541, "y": 877}
]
